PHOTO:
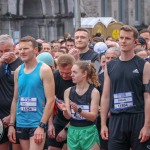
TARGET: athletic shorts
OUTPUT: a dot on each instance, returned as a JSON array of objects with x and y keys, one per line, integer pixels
[
  {"x": 124, "y": 130},
  {"x": 52, "y": 141},
  {"x": 5, "y": 137},
  {"x": 25, "y": 133},
  {"x": 82, "y": 138}
]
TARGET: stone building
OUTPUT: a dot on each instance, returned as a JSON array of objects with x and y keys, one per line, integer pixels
[{"x": 50, "y": 19}]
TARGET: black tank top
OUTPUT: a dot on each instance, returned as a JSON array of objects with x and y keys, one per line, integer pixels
[
  {"x": 126, "y": 85},
  {"x": 82, "y": 101}
]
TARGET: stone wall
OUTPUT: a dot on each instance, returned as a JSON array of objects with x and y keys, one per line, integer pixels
[{"x": 54, "y": 21}]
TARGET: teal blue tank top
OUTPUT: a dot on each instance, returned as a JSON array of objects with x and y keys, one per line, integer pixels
[{"x": 31, "y": 98}]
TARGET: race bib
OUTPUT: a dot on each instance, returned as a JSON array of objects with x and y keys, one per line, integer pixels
[
  {"x": 28, "y": 104},
  {"x": 123, "y": 100},
  {"x": 76, "y": 115}
]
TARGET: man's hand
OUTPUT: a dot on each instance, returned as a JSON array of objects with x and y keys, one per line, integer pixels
[
  {"x": 104, "y": 132},
  {"x": 6, "y": 121},
  {"x": 39, "y": 135},
  {"x": 144, "y": 134},
  {"x": 8, "y": 57},
  {"x": 51, "y": 131},
  {"x": 75, "y": 53},
  {"x": 12, "y": 134}
]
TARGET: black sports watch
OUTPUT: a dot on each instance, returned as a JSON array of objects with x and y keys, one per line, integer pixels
[
  {"x": 42, "y": 125},
  {"x": 79, "y": 110}
]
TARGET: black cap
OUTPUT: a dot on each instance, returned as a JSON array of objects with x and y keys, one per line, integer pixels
[{"x": 141, "y": 40}]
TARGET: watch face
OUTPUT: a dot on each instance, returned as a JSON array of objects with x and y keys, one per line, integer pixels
[
  {"x": 79, "y": 110},
  {"x": 42, "y": 125}
]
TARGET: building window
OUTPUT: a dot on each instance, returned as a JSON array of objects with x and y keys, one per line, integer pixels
[
  {"x": 123, "y": 11},
  {"x": 105, "y": 8},
  {"x": 138, "y": 12},
  {"x": 60, "y": 28}
]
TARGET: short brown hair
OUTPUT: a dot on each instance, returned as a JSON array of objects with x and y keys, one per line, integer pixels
[
  {"x": 83, "y": 29},
  {"x": 130, "y": 29},
  {"x": 65, "y": 60},
  {"x": 29, "y": 39},
  {"x": 144, "y": 31}
]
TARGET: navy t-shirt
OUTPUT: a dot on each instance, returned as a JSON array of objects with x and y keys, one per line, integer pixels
[{"x": 7, "y": 86}]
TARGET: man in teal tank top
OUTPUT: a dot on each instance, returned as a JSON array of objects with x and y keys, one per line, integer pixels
[{"x": 33, "y": 100}]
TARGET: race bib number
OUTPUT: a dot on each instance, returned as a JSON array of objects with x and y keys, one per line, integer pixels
[
  {"x": 28, "y": 104},
  {"x": 123, "y": 100},
  {"x": 76, "y": 115}
]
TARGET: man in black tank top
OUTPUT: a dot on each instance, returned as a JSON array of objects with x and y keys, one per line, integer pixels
[
  {"x": 58, "y": 123},
  {"x": 124, "y": 96}
]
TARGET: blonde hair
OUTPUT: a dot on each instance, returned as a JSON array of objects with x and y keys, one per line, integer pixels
[{"x": 92, "y": 76}]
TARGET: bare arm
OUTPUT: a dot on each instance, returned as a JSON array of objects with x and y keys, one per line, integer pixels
[
  {"x": 51, "y": 128},
  {"x": 105, "y": 104},
  {"x": 144, "y": 133},
  {"x": 48, "y": 83},
  {"x": 15, "y": 98},
  {"x": 50, "y": 121},
  {"x": 12, "y": 133},
  {"x": 67, "y": 112},
  {"x": 105, "y": 99},
  {"x": 146, "y": 79}
]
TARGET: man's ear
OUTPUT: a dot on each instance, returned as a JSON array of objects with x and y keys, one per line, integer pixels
[
  {"x": 36, "y": 50},
  {"x": 136, "y": 41}
]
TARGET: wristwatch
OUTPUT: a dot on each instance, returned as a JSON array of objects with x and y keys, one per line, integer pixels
[
  {"x": 42, "y": 125},
  {"x": 79, "y": 110},
  {"x": 66, "y": 129}
]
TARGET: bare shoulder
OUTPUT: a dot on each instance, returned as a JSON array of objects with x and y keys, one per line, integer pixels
[
  {"x": 147, "y": 66},
  {"x": 95, "y": 94},
  {"x": 66, "y": 94},
  {"x": 45, "y": 67},
  {"x": 95, "y": 91},
  {"x": 45, "y": 71},
  {"x": 68, "y": 90},
  {"x": 146, "y": 71}
]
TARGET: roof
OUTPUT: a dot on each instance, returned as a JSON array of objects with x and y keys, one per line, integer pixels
[{"x": 90, "y": 22}]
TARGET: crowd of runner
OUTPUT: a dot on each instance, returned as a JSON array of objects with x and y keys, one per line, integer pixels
[{"x": 77, "y": 92}]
